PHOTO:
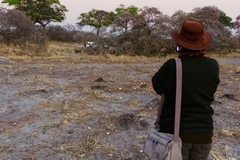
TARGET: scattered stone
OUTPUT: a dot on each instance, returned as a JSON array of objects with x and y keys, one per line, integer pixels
[
  {"x": 100, "y": 80},
  {"x": 216, "y": 103},
  {"x": 229, "y": 96},
  {"x": 127, "y": 116},
  {"x": 42, "y": 90},
  {"x": 98, "y": 87},
  {"x": 143, "y": 86}
]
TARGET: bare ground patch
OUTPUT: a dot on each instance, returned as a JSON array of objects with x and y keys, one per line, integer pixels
[{"x": 97, "y": 107}]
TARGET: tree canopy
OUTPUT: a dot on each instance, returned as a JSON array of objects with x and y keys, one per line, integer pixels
[
  {"x": 147, "y": 30},
  {"x": 144, "y": 31},
  {"x": 40, "y": 11},
  {"x": 96, "y": 19},
  {"x": 237, "y": 25},
  {"x": 133, "y": 10},
  {"x": 225, "y": 20}
]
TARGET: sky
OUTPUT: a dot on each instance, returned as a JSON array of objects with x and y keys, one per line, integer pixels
[{"x": 168, "y": 7}]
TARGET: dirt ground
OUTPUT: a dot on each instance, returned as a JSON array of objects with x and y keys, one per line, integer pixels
[{"x": 97, "y": 107}]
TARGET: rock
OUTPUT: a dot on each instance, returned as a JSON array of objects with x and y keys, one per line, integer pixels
[
  {"x": 99, "y": 87},
  {"x": 216, "y": 103},
  {"x": 143, "y": 86},
  {"x": 229, "y": 96},
  {"x": 100, "y": 79}
]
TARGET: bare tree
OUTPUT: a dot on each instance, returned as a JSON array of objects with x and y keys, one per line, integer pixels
[
  {"x": 122, "y": 25},
  {"x": 177, "y": 18},
  {"x": 237, "y": 25},
  {"x": 210, "y": 16},
  {"x": 144, "y": 36}
]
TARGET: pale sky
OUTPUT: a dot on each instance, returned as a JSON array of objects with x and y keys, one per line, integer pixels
[{"x": 168, "y": 7}]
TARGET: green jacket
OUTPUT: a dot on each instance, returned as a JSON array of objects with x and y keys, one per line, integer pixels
[{"x": 200, "y": 81}]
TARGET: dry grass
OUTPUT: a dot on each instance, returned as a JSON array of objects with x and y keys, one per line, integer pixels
[
  {"x": 91, "y": 144},
  {"x": 66, "y": 88}
]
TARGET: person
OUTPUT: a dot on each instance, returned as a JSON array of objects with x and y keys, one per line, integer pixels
[{"x": 199, "y": 84}]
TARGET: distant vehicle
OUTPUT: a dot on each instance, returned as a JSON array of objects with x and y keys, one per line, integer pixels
[{"x": 90, "y": 44}]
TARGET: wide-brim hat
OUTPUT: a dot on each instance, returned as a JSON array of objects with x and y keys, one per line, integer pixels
[{"x": 192, "y": 35}]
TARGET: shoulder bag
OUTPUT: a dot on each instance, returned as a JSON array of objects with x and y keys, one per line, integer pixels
[{"x": 165, "y": 146}]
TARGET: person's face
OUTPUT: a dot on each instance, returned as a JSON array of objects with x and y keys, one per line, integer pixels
[{"x": 178, "y": 48}]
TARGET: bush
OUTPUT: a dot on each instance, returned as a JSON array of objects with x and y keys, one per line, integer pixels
[{"x": 16, "y": 28}]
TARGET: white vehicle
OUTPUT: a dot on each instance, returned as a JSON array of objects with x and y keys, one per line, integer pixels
[{"x": 90, "y": 44}]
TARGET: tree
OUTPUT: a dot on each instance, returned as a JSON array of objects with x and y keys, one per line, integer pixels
[
  {"x": 123, "y": 21},
  {"x": 133, "y": 10},
  {"x": 215, "y": 23},
  {"x": 177, "y": 18},
  {"x": 165, "y": 25},
  {"x": 40, "y": 11},
  {"x": 144, "y": 37},
  {"x": 96, "y": 19},
  {"x": 237, "y": 25}
]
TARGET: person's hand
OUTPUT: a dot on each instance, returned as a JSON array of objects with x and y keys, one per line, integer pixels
[{"x": 156, "y": 125}]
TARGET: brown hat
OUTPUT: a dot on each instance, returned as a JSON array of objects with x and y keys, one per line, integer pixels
[{"x": 192, "y": 35}]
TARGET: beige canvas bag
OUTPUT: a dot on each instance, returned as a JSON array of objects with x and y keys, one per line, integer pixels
[{"x": 165, "y": 146}]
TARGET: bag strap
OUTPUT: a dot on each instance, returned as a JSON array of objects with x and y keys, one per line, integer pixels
[{"x": 178, "y": 100}]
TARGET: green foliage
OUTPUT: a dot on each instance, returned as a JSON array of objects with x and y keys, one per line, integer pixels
[
  {"x": 133, "y": 10},
  {"x": 96, "y": 19},
  {"x": 40, "y": 11},
  {"x": 225, "y": 20},
  {"x": 12, "y": 2}
]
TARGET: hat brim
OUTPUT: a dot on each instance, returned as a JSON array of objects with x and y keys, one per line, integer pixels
[{"x": 193, "y": 46}]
